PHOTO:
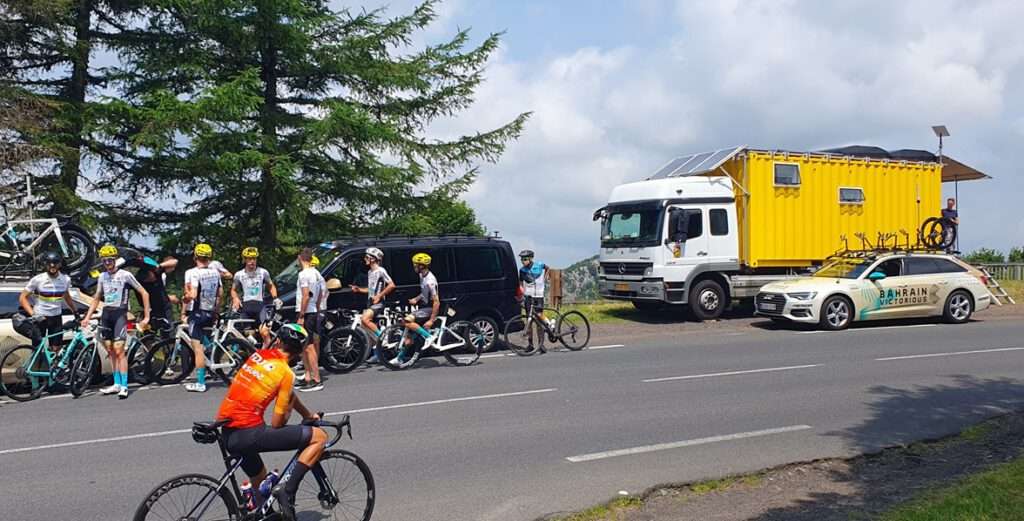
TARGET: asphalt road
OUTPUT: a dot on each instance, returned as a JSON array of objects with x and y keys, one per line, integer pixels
[{"x": 517, "y": 438}]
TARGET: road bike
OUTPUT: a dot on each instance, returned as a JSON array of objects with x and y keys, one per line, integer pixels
[
  {"x": 938, "y": 233},
  {"x": 339, "y": 486},
  {"x": 172, "y": 360},
  {"x": 347, "y": 344},
  {"x": 571, "y": 329},
  {"x": 139, "y": 344},
  {"x": 21, "y": 250},
  {"x": 460, "y": 343},
  {"x": 28, "y": 371}
]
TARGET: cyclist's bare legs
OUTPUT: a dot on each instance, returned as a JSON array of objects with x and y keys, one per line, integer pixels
[
  {"x": 200, "y": 354},
  {"x": 368, "y": 322},
  {"x": 121, "y": 365},
  {"x": 317, "y": 442},
  {"x": 311, "y": 360}
]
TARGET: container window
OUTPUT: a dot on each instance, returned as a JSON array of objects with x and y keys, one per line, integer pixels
[
  {"x": 851, "y": 196},
  {"x": 787, "y": 174},
  {"x": 719, "y": 222}
]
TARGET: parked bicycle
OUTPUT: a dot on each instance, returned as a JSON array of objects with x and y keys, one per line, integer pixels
[
  {"x": 139, "y": 345},
  {"x": 172, "y": 360},
  {"x": 571, "y": 329},
  {"x": 460, "y": 342},
  {"x": 28, "y": 371},
  {"x": 339, "y": 486},
  {"x": 347, "y": 344}
]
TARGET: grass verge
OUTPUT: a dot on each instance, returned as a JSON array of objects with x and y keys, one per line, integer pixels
[
  {"x": 994, "y": 495},
  {"x": 1015, "y": 288},
  {"x": 605, "y": 312},
  {"x": 611, "y": 511}
]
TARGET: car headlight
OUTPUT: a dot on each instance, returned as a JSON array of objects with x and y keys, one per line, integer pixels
[{"x": 802, "y": 295}]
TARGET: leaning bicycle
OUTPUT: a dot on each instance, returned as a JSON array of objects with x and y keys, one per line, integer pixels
[
  {"x": 460, "y": 343},
  {"x": 347, "y": 344},
  {"x": 171, "y": 361},
  {"x": 339, "y": 486},
  {"x": 571, "y": 329}
]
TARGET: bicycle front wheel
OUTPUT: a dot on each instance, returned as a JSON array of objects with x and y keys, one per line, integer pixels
[
  {"x": 519, "y": 335},
  {"x": 169, "y": 362},
  {"x": 344, "y": 350},
  {"x": 190, "y": 496},
  {"x": 15, "y": 380},
  {"x": 392, "y": 350},
  {"x": 85, "y": 366},
  {"x": 137, "y": 362},
  {"x": 471, "y": 338},
  {"x": 573, "y": 330},
  {"x": 339, "y": 487}
]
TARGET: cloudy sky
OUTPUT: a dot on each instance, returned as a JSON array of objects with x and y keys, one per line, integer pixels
[{"x": 618, "y": 88}]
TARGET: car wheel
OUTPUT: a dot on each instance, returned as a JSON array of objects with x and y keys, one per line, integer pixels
[
  {"x": 707, "y": 300},
  {"x": 489, "y": 329},
  {"x": 836, "y": 313},
  {"x": 959, "y": 307}
]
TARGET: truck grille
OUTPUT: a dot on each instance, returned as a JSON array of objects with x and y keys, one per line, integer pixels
[
  {"x": 633, "y": 269},
  {"x": 770, "y": 303}
]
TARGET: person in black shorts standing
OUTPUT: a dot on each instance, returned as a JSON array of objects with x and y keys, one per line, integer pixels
[{"x": 250, "y": 288}]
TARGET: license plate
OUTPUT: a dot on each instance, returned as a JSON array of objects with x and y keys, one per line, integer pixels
[
  {"x": 622, "y": 287},
  {"x": 768, "y": 307}
]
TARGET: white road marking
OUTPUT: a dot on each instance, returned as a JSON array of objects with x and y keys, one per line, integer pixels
[
  {"x": 353, "y": 411},
  {"x": 687, "y": 443},
  {"x": 868, "y": 328},
  {"x": 609, "y": 346},
  {"x": 731, "y": 373},
  {"x": 955, "y": 353},
  {"x": 513, "y": 355}
]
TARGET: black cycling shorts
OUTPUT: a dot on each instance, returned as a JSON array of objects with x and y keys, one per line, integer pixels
[
  {"x": 533, "y": 302},
  {"x": 313, "y": 322},
  {"x": 249, "y": 443},
  {"x": 254, "y": 310},
  {"x": 197, "y": 320},
  {"x": 114, "y": 324}
]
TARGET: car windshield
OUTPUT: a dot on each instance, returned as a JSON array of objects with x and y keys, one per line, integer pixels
[
  {"x": 631, "y": 226},
  {"x": 843, "y": 268},
  {"x": 285, "y": 280}
]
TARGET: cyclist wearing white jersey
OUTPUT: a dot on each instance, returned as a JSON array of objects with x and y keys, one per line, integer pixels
[
  {"x": 42, "y": 297},
  {"x": 250, "y": 288},
  {"x": 378, "y": 286},
  {"x": 307, "y": 313},
  {"x": 112, "y": 289},
  {"x": 202, "y": 300},
  {"x": 531, "y": 281}
]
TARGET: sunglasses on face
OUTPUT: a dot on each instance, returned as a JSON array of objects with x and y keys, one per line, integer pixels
[{"x": 109, "y": 261}]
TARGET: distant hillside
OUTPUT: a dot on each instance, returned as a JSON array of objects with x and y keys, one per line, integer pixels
[{"x": 579, "y": 281}]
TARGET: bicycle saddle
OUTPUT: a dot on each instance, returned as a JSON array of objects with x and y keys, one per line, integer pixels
[{"x": 207, "y": 432}]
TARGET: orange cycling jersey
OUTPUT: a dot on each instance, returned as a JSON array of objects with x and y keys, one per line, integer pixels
[{"x": 264, "y": 377}]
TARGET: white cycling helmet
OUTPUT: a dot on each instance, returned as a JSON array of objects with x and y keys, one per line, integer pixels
[{"x": 375, "y": 253}]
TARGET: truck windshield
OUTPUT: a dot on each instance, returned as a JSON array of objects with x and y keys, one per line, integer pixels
[
  {"x": 844, "y": 268},
  {"x": 634, "y": 226},
  {"x": 285, "y": 280}
]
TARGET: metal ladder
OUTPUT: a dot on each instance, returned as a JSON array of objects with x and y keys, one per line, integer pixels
[{"x": 997, "y": 291}]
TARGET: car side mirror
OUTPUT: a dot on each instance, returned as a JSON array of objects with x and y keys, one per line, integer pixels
[{"x": 876, "y": 275}]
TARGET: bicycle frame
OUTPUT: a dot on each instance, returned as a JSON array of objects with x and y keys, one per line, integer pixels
[
  {"x": 210, "y": 344},
  {"x": 53, "y": 226},
  {"x": 65, "y": 355},
  {"x": 438, "y": 332}
]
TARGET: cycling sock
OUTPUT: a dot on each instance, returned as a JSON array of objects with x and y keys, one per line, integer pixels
[
  {"x": 124, "y": 379},
  {"x": 117, "y": 378},
  {"x": 423, "y": 332},
  {"x": 293, "y": 481},
  {"x": 376, "y": 333},
  {"x": 201, "y": 376}
]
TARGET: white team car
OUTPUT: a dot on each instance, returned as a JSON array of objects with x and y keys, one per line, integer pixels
[{"x": 878, "y": 287}]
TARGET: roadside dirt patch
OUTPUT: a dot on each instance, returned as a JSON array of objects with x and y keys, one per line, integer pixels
[{"x": 860, "y": 488}]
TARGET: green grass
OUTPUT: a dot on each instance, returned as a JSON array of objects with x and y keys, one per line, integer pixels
[
  {"x": 995, "y": 495},
  {"x": 611, "y": 511},
  {"x": 606, "y": 312},
  {"x": 1015, "y": 288}
]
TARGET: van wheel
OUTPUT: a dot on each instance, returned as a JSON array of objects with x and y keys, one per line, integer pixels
[
  {"x": 489, "y": 329},
  {"x": 836, "y": 313},
  {"x": 959, "y": 306},
  {"x": 707, "y": 300}
]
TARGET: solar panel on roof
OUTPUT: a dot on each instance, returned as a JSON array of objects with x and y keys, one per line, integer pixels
[{"x": 695, "y": 163}]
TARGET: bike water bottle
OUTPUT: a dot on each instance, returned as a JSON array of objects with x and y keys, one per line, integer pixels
[
  {"x": 247, "y": 496},
  {"x": 269, "y": 482}
]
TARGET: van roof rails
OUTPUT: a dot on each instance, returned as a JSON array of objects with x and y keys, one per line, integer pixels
[{"x": 398, "y": 238}]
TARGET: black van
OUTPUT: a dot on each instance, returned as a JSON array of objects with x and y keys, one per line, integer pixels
[{"x": 479, "y": 272}]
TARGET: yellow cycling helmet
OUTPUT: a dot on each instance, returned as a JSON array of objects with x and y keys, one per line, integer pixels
[
  {"x": 315, "y": 261},
  {"x": 203, "y": 250},
  {"x": 250, "y": 253},
  {"x": 421, "y": 258},
  {"x": 108, "y": 251}
]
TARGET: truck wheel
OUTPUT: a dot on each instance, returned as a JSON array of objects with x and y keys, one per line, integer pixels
[
  {"x": 647, "y": 305},
  {"x": 836, "y": 313},
  {"x": 959, "y": 306},
  {"x": 707, "y": 300}
]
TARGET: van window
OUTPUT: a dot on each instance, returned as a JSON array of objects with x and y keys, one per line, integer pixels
[
  {"x": 787, "y": 174},
  {"x": 9, "y": 303},
  {"x": 478, "y": 263},
  {"x": 401, "y": 265},
  {"x": 351, "y": 270},
  {"x": 719, "y": 222}
]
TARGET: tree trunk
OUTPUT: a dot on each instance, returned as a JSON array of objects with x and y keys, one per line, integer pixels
[
  {"x": 268, "y": 73},
  {"x": 67, "y": 186}
]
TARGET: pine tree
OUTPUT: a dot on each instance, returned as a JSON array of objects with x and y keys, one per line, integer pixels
[{"x": 284, "y": 123}]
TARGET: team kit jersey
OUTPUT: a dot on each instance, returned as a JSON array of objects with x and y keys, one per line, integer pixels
[
  {"x": 377, "y": 280},
  {"x": 428, "y": 289},
  {"x": 206, "y": 283},
  {"x": 264, "y": 377},
  {"x": 309, "y": 278},
  {"x": 113, "y": 289},
  {"x": 322, "y": 284},
  {"x": 47, "y": 293},
  {"x": 533, "y": 279},
  {"x": 252, "y": 284}
]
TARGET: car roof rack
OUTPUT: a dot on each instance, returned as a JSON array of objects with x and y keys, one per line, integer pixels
[{"x": 885, "y": 244}]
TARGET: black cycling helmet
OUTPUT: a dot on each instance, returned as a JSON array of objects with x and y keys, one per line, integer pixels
[
  {"x": 294, "y": 337},
  {"x": 526, "y": 254},
  {"x": 52, "y": 257}
]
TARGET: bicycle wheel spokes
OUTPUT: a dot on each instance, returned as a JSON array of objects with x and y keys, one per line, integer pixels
[
  {"x": 343, "y": 350},
  {"x": 169, "y": 362},
  {"x": 392, "y": 351},
  {"x": 15, "y": 378},
  {"x": 573, "y": 330},
  {"x": 471, "y": 339},
  {"x": 344, "y": 489},
  {"x": 193, "y": 497},
  {"x": 518, "y": 337}
]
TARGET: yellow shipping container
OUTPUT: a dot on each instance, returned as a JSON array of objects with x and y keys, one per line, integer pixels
[{"x": 793, "y": 208}]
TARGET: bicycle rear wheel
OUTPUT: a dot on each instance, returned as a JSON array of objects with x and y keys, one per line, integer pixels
[
  {"x": 137, "y": 361},
  {"x": 235, "y": 351},
  {"x": 519, "y": 338},
  {"x": 573, "y": 330},
  {"x": 473, "y": 342},
  {"x": 169, "y": 362},
  {"x": 339, "y": 487},
  {"x": 85, "y": 366},
  {"x": 392, "y": 351},
  {"x": 14, "y": 378},
  {"x": 344, "y": 350},
  {"x": 184, "y": 497}
]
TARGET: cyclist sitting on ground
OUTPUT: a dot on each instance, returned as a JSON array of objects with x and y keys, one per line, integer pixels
[
  {"x": 429, "y": 301},
  {"x": 531, "y": 280},
  {"x": 378, "y": 286},
  {"x": 307, "y": 311},
  {"x": 202, "y": 300},
  {"x": 253, "y": 283},
  {"x": 112, "y": 288},
  {"x": 42, "y": 297},
  {"x": 266, "y": 377}
]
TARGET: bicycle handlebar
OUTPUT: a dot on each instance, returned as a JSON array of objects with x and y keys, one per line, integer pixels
[{"x": 342, "y": 427}]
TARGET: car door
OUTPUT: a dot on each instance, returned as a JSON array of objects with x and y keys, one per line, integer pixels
[
  {"x": 694, "y": 249},
  {"x": 889, "y": 292},
  {"x": 933, "y": 279}
]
